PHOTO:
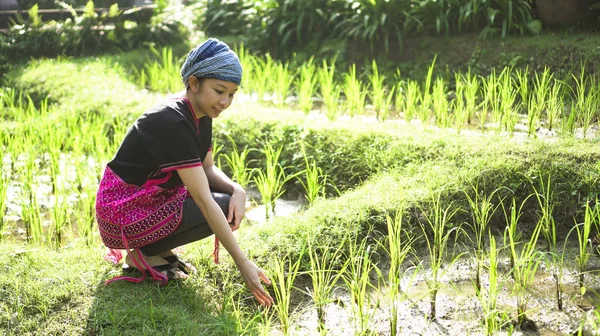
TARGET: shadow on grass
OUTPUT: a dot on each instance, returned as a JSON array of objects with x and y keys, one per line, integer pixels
[{"x": 147, "y": 308}]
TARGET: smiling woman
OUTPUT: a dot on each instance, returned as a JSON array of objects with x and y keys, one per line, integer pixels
[{"x": 162, "y": 190}]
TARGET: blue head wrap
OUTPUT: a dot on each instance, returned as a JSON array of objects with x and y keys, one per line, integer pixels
[{"x": 212, "y": 59}]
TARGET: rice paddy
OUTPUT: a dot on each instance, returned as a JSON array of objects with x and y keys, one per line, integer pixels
[{"x": 456, "y": 227}]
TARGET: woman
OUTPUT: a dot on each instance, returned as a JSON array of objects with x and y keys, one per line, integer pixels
[{"x": 156, "y": 194}]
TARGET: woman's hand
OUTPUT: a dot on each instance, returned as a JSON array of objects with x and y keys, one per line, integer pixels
[
  {"x": 237, "y": 207},
  {"x": 252, "y": 276}
]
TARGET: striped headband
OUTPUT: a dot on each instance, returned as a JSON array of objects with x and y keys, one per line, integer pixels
[{"x": 212, "y": 59}]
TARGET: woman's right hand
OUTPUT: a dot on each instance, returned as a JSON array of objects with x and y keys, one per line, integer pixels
[{"x": 252, "y": 276}]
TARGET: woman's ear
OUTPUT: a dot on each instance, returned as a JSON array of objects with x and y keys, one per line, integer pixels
[{"x": 194, "y": 84}]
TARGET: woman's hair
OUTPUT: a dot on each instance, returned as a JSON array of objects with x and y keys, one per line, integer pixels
[{"x": 212, "y": 59}]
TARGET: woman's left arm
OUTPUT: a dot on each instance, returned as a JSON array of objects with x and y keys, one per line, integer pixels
[{"x": 221, "y": 182}]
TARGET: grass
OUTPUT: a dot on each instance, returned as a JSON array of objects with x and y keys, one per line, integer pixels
[{"x": 53, "y": 289}]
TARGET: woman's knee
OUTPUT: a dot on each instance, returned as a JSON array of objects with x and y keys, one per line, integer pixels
[{"x": 222, "y": 200}]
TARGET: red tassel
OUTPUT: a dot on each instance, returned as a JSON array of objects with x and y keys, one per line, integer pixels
[{"x": 216, "y": 251}]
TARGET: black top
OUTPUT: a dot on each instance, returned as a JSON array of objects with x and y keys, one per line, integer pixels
[{"x": 165, "y": 138}]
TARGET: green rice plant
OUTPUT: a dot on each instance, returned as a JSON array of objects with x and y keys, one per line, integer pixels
[
  {"x": 440, "y": 104},
  {"x": 408, "y": 96},
  {"x": 583, "y": 230},
  {"x": 246, "y": 60},
  {"x": 285, "y": 272},
  {"x": 306, "y": 86},
  {"x": 355, "y": 92},
  {"x": 555, "y": 104},
  {"x": 426, "y": 97},
  {"x": 546, "y": 200},
  {"x": 592, "y": 103},
  {"x": 357, "y": 279},
  {"x": 512, "y": 237},
  {"x": 316, "y": 181},
  {"x": 282, "y": 83},
  {"x": 490, "y": 99},
  {"x": 380, "y": 96},
  {"x": 399, "y": 247},
  {"x": 163, "y": 74},
  {"x": 525, "y": 266},
  {"x": 522, "y": 82},
  {"x": 31, "y": 210},
  {"x": 326, "y": 269},
  {"x": 541, "y": 87},
  {"x": 507, "y": 105},
  {"x": 493, "y": 318},
  {"x": 461, "y": 116},
  {"x": 238, "y": 163},
  {"x": 264, "y": 69},
  {"x": 568, "y": 122},
  {"x": 472, "y": 87},
  {"x": 437, "y": 231},
  {"x": 330, "y": 90},
  {"x": 270, "y": 182},
  {"x": 482, "y": 210}
]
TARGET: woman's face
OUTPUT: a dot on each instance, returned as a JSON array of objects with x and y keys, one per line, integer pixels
[{"x": 210, "y": 96}]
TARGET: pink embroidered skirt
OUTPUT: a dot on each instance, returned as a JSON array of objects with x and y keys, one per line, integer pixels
[{"x": 130, "y": 216}]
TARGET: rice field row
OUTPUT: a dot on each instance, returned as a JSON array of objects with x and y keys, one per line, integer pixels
[{"x": 506, "y": 100}]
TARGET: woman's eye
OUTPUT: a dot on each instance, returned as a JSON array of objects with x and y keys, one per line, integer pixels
[
  {"x": 231, "y": 95},
  {"x": 218, "y": 91}
]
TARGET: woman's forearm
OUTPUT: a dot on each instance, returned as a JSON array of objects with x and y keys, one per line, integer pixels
[{"x": 219, "y": 181}]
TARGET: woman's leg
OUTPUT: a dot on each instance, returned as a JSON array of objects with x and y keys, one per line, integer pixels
[{"x": 193, "y": 227}]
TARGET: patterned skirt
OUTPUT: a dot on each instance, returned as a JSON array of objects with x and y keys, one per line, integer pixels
[{"x": 130, "y": 216}]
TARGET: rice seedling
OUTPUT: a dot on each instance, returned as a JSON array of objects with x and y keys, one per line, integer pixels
[
  {"x": 546, "y": 201},
  {"x": 437, "y": 230},
  {"x": 539, "y": 97},
  {"x": 237, "y": 162},
  {"x": 330, "y": 90},
  {"x": 471, "y": 94},
  {"x": 408, "y": 96},
  {"x": 555, "y": 104},
  {"x": 461, "y": 116},
  {"x": 525, "y": 266},
  {"x": 522, "y": 82},
  {"x": 247, "y": 63},
  {"x": 493, "y": 318},
  {"x": 357, "y": 280},
  {"x": 326, "y": 269},
  {"x": 355, "y": 92},
  {"x": 263, "y": 74},
  {"x": 270, "y": 182},
  {"x": 482, "y": 210},
  {"x": 568, "y": 122},
  {"x": 306, "y": 85},
  {"x": 285, "y": 272},
  {"x": 282, "y": 83},
  {"x": 163, "y": 74},
  {"x": 585, "y": 100},
  {"x": 426, "y": 97},
  {"x": 490, "y": 99},
  {"x": 381, "y": 97},
  {"x": 512, "y": 237},
  {"x": 440, "y": 105},
  {"x": 316, "y": 181},
  {"x": 507, "y": 105},
  {"x": 399, "y": 247},
  {"x": 30, "y": 210},
  {"x": 583, "y": 230}
]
